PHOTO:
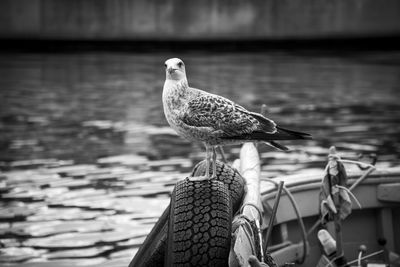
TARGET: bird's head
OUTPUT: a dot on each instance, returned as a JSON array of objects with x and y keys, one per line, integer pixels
[{"x": 175, "y": 69}]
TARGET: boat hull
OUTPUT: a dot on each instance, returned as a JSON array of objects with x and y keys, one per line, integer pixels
[{"x": 377, "y": 221}]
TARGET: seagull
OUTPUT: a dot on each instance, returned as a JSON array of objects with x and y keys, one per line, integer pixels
[{"x": 214, "y": 120}]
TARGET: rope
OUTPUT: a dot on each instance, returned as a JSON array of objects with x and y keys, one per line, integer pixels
[
  {"x": 332, "y": 260},
  {"x": 354, "y": 261},
  {"x": 256, "y": 228},
  {"x": 367, "y": 256},
  {"x": 249, "y": 229},
  {"x": 364, "y": 176},
  {"x": 356, "y": 162},
  {"x": 350, "y": 193},
  {"x": 254, "y": 206}
]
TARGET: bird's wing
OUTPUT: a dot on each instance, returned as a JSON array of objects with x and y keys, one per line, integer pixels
[{"x": 221, "y": 114}]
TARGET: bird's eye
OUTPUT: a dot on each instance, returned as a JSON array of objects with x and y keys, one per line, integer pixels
[
  {"x": 180, "y": 64},
  {"x": 165, "y": 65}
]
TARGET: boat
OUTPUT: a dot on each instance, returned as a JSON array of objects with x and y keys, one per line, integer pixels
[
  {"x": 280, "y": 221},
  {"x": 373, "y": 229}
]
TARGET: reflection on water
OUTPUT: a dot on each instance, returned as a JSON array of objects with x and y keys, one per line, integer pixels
[
  {"x": 84, "y": 143},
  {"x": 51, "y": 103}
]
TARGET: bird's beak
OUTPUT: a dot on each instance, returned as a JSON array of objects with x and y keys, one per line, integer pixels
[{"x": 171, "y": 70}]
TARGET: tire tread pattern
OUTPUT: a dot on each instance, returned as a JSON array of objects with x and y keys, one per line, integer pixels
[
  {"x": 229, "y": 176},
  {"x": 152, "y": 251},
  {"x": 200, "y": 224}
]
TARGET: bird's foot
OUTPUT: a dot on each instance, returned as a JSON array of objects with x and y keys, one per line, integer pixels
[{"x": 199, "y": 178}]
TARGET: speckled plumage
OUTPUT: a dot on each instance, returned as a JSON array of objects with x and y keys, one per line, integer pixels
[{"x": 214, "y": 120}]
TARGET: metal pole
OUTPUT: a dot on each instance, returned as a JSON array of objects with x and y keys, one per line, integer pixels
[{"x": 274, "y": 210}]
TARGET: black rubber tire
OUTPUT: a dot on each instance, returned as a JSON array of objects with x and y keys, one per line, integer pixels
[
  {"x": 199, "y": 230},
  {"x": 229, "y": 176},
  {"x": 152, "y": 252}
]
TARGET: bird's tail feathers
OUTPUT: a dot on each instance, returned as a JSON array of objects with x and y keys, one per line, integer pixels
[
  {"x": 277, "y": 145},
  {"x": 294, "y": 134},
  {"x": 266, "y": 124},
  {"x": 280, "y": 134}
]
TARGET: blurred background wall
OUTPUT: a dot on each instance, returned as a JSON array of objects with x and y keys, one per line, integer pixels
[{"x": 197, "y": 20}]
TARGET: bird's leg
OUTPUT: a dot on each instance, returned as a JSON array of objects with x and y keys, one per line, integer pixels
[
  {"x": 207, "y": 174},
  {"x": 208, "y": 159},
  {"x": 214, "y": 174}
]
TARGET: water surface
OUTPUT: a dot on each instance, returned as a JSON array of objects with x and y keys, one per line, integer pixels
[{"x": 87, "y": 155}]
